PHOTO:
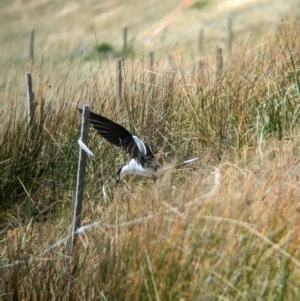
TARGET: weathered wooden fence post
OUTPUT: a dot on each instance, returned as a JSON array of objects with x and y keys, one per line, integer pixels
[
  {"x": 30, "y": 120},
  {"x": 151, "y": 66},
  {"x": 200, "y": 69},
  {"x": 125, "y": 31},
  {"x": 201, "y": 42},
  {"x": 230, "y": 34},
  {"x": 119, "y": 81},
  {"x": 79, "y": 190},
  {"x": 30, "y": 99},
  {"x": 31, "y": 45},
  {"x": 219, "y": 62}
]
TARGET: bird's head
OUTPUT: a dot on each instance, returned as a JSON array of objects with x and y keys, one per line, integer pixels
[{"x": 157, "y": 166}]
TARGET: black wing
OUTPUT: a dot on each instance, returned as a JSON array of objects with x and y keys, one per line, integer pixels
[{"x": 119, "y": 136}]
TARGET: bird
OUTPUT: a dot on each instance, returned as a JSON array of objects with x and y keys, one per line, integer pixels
[{"x": 142, "y": 161}]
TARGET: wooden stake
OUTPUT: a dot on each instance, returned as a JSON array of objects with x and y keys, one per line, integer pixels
[
  {"x": 30, "y": 120},
  {"x": 201, "y": 44},
  {"x": 200, "y": 69},
  {"x": 151, "y": 66},
  {"x": 219, "y": 62},
  {"x": 119, "y": 81},
  {"x": 31, "y": 45},
  {"x": 79, "y": 188},
  {"x": 30, "y": 99}
]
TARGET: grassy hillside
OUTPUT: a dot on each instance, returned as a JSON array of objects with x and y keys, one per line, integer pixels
[
  {"x": 223, "y": 228},
  {"x": 64, "y": 27},
  {"x": 68, "y": 31}
]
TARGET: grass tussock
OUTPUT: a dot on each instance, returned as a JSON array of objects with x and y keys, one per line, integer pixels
[{"x": 224, "y": 228}]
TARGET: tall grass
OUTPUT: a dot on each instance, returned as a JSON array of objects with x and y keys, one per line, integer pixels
[{"x": 225, "y": 228}]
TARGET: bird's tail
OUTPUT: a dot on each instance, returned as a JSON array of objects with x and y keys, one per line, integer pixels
[{"x": 168, "y": 167}]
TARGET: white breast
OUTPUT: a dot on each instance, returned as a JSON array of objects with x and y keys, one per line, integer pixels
[{"x": 134, "y": 168}]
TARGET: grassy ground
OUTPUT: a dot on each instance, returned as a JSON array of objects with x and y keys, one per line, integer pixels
[{"x": 224, "y": 228}]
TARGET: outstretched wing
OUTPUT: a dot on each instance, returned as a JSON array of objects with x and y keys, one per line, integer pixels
[{"x": 119, "y": 136}]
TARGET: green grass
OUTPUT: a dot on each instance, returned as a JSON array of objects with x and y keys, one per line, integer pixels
[{"x": 224, "y": 228}]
